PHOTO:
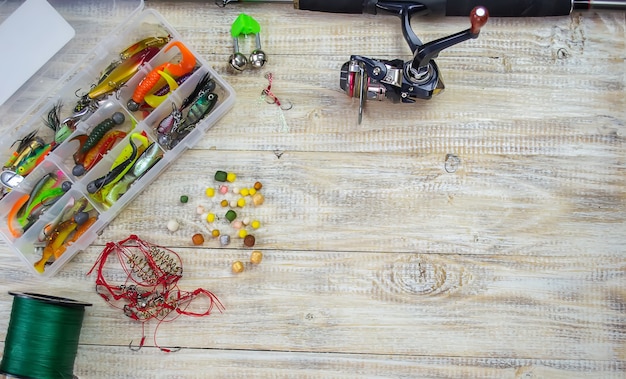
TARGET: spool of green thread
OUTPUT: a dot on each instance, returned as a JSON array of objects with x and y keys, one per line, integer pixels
[{"x": 42, "y": 339}]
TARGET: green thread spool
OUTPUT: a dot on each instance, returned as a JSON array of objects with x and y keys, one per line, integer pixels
[{"x": 42, "y": 339}]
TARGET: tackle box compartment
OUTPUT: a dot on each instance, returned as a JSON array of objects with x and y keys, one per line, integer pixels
[{"x": 56, "y": 167}]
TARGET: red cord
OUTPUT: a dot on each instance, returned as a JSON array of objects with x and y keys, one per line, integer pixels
[
  {"x": 150, "y": 288},
  {"x": 268, "y": 91}
]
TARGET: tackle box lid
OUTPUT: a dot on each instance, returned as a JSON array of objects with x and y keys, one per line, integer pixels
[{"x": 90, "y": 30}]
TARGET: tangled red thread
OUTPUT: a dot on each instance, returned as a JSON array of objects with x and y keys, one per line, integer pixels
[
  {"x": 268, "y": 91},
  {"x": 149, "y": 284}
]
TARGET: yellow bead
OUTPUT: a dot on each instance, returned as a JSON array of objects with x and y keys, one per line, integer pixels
[
  {"x": 215, "y": 233},
  {"x": 251, "y": 191},
  {"x": 241, "y": 202},
  {"x": 210, "y": 192},
  {"x": 243, "y": 233},
  {"x": 231, "y": 177},
  {"x": 224, "y": 203},
  {"x": 255, "y": 224},
  {"x": 237, "y": 267},
  {"x": 256, "y": 257},
  {"x": 210, "y": 217},
  {"x": 244, "y": 192},
  {"x": 258, "y": 199}
]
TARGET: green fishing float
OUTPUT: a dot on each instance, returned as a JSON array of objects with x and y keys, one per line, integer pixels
[{"x": 42, "y": 339}]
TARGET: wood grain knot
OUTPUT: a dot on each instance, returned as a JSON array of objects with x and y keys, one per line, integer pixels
[{"x": 417, "y": 274}]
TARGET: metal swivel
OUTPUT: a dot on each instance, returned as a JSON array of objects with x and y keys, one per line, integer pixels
[
  {"x": 257, "y": 57},
  {"x": 237, "y": 60}
]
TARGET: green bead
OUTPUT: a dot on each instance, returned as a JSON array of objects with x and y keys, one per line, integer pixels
[
  {"x": 221, "y": 176},
  {"x": 231, "y": 215},
  {"x": 184, "y": 199}
]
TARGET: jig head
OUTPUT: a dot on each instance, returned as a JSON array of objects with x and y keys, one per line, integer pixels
[{"x": 419, "y": 78}]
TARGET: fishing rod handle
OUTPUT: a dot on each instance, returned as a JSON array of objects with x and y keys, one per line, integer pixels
[{"x": 497, "y": 8}]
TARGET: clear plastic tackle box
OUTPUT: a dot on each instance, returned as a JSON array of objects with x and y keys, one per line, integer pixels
[{"x": 54, "y": 208}]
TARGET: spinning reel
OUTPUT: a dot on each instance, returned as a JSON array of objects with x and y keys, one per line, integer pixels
[{"x": 373, "y": 79}]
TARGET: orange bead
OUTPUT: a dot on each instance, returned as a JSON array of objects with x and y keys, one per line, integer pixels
[{"x": 197, "y": 239}]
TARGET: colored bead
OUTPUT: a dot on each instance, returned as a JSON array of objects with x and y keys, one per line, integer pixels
[
  {"x": 244, "y": 192},
  {"x": 210, "y": 192},
  {"x": 215, "y": 233},
  {"x": 258, "y": 199},
  {"x": 237, "y": 267},
  {"x": 210, "y": 217},
  {"x": 256, "y": 257},
  {"x": 221, "y": 176},
  {"x": 249, "y": 240},
  {"x": 236, "y": 190},
  {"x": 241, "y": 202},
  {"x": 237, "y": 224},
  {"x": 243, "y": 233},
  {"x": 233, "y": 203},
  {"x": 172, "y": 225},
  {"x": 224, "y": 203},
  {"x": 255, "y": 224},
  {"x": 197, "y": 239},
  {"x": 230, "y": 177},
  {"x": 224, "y": 239},
  {"x": 231, "y": 215},
  {"x": 223, "y": 190},
  {"x": 258, "y": 186},
  {"x": 246, "y": 220},
  {"x": 184, "y": 199},
  {"x": 251, "y": 191}
]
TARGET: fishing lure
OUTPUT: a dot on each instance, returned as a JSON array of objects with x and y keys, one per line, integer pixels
[
  {"x": 64, "y": 230},
  {"x": 121, "y": 73},
  {"x": 173, "y": 128},
  {"x": 58, "y": 237},
  {"x": 101, "y": 129},
  {"x": 199, "y": 109},
  {"x": 47, "y": 230},
  {"x": 154, "y": 100},
  {"x": 53, "y": 121},
  {"x": 142, "y": 45},
  {"x": 186, "y": 65},
  {"x": 206, "y": 84},
  {"x": 45, "y": 193},
  {"x": 131, "y": 51},
  {"x": 9, "y": 180},
  {"x": 120, "y": 166},
  {"x": 95, "y": 154},
  {"x": 25, "y": 148},
  {"x": 36, "y": 157},
  {"x": 145, "y": 162},
  {"x": 180, "y": 80},
  {"x": 174, "y": 118},
  {"x": 27, "y": 209}
]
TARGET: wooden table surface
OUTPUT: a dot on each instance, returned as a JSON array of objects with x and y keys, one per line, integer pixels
[{"x": 379, "y": 260}]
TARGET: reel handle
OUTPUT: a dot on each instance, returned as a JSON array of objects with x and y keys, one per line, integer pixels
[{"x": 425, "y": 53}]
